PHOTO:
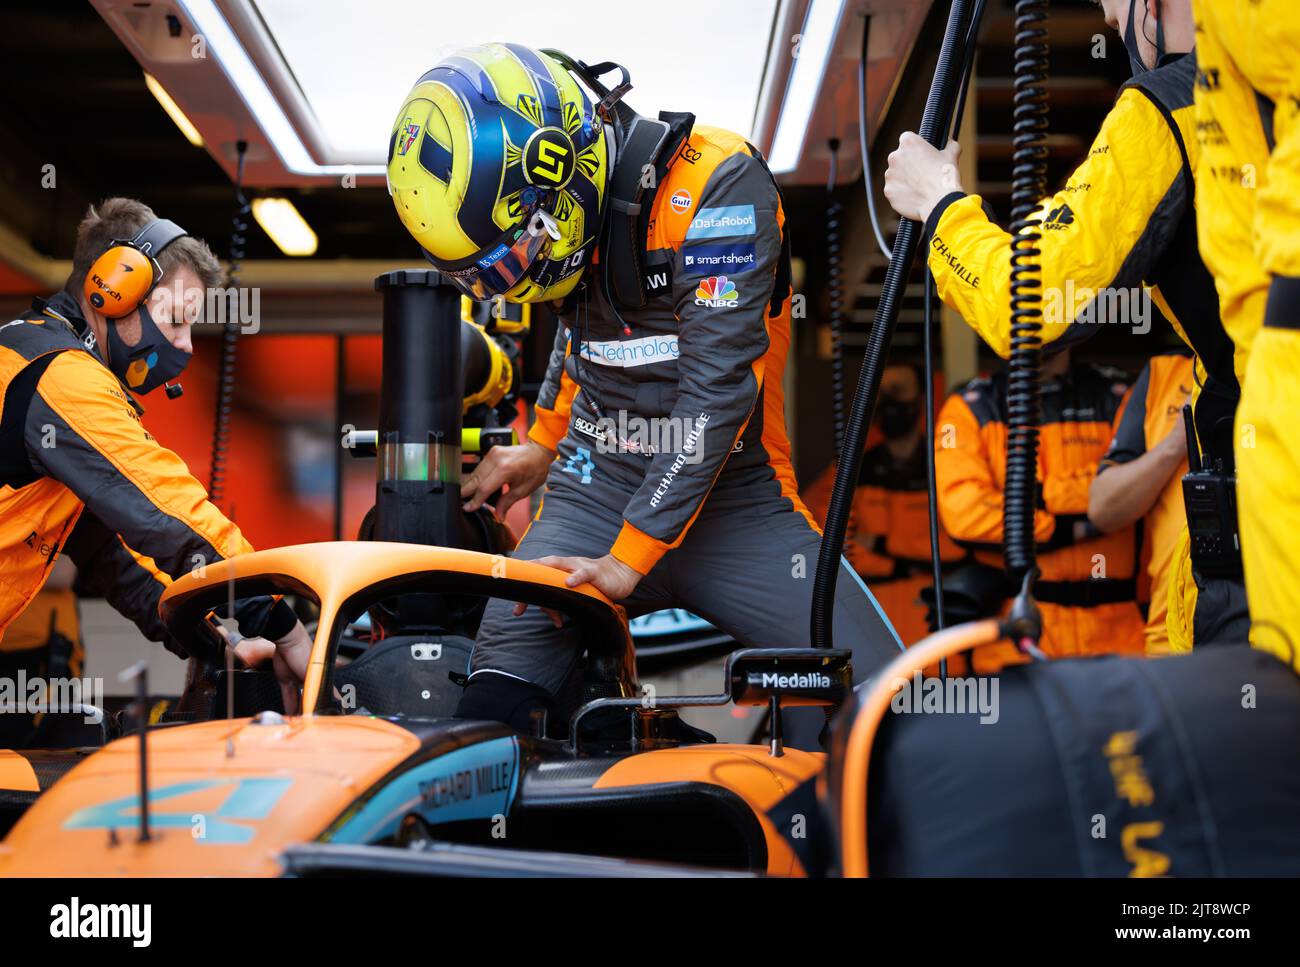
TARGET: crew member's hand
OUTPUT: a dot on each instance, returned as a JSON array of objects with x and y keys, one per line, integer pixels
[
  {"x": 919, "y": 176},
  {"x": 611, "y": 576},
  {"x": 521, "y": 469},
  {"x": 288, "y": 658},
  {"x": 292, "y": 653}
]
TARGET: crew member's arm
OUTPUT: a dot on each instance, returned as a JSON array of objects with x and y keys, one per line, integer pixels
[
  {"x": 970, "y": 497},
  {"x": 722, "y": 339},
  {"x": 131, "y": 583},
  {"x": 82, "y": 431},
  {"x": 1066, "y": 493},
  {"x": 1105, "y": 228},
  {"x": 1130, "y": 477}
]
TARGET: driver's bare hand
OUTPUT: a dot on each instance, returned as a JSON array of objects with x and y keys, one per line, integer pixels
[
  {"x": 611, "y": 576},
  {"x": 520, "y": 469}
]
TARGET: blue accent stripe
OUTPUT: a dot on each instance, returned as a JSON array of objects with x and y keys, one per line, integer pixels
[
  {"x": 474, "y": 73},
  {"x": 542, "y": 78},
  {"x": 450, "y": 788},
  {"x": 435, "y": 158},
  {"x": 848, "y": 568}
]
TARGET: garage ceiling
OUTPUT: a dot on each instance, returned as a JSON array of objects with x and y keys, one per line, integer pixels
[{"x": 355, "y": 63}]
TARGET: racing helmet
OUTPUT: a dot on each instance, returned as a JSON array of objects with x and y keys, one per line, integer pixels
[{"x": 497, "y": 166}]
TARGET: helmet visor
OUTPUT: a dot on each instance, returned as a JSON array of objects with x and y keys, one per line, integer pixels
[{"x": 500, "y": 267}]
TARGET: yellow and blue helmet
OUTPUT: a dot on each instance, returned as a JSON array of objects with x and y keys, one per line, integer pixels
[{"x": 497, "y": 166}]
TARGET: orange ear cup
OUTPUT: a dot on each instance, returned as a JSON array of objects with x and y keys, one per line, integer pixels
[{"x": 118, "y": 281}]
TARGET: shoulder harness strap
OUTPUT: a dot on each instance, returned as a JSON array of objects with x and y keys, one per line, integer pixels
[{"x": 647, "y": 145}]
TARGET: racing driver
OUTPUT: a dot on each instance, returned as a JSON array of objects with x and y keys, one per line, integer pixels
[{"x": 660, "y": 429}]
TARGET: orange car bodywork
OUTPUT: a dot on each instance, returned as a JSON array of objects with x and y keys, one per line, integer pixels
[{"x": 227, "y": 796}]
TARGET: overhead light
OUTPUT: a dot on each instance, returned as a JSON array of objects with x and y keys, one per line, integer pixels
[
  {"x": 287, "y": 229},
  {"x": 247, "y": 80},
  {"x": 173, "y": 111},
  {"x": 815, "y": 43}
]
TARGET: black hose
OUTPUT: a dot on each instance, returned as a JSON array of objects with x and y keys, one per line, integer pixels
[
  {"x": 867, "y": 181},
  {"x": 934, "y": 129},
  {"x": 936, "y": 559},
  {"x": 229, "y": 337},
  {"x": 835, "y": 285},
  {"x": 1028, "y": 187},
  {"x": 932, "y": 488},
  {"x": 968, "y": 64}
]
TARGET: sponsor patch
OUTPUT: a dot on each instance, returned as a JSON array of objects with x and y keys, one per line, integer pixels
[
  {"x": 658, "y": 278},
  {"x": 631, "y": 352},
  {"x": 716, "y": 292},
  {"x": 493, "y": 257},
  {"x": 581, "y": 465},
  {"x": 723, "y": 222},
  {"x": 733, "y": 258},
  {"x": 681, "y": 201}
]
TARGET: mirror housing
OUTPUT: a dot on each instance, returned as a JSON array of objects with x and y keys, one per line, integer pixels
[{"x": 795, "y": 677}]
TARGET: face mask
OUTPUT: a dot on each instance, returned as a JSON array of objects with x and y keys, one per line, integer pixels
[
  {"x": 897, "y": 419},
  {"x": 150, "y": 362},
  {"x": 1131, "y": 41}
]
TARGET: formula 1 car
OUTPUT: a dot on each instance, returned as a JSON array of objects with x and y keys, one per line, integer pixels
[{"x": 375, "y": 761}]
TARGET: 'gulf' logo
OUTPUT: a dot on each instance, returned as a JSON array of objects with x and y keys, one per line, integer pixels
[{"x": 681, "y": 201}]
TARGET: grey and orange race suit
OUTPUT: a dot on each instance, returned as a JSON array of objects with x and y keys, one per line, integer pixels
[{"x": 669, "y": 427}]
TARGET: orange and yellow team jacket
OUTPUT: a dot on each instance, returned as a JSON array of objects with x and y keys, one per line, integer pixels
[
  {"x": 890, "y": 531},
  {"x": 1087, "y": 590},
  {"x": 80, "y": 474}
]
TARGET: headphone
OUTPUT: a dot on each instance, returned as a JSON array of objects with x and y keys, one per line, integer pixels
[{"x": 122, "y": 278}]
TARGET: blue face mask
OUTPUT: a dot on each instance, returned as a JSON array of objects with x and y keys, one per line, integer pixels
[{"x": 150, "y": 362}]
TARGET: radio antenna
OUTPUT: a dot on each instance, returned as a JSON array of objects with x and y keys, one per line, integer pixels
[{"x": 140, "y": 673}]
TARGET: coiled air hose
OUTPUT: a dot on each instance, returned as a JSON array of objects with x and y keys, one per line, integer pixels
[
  {"x": 229, "y": 337},
  {"x": 934, "y": 128},
  {"x": 1028, "y": 187}
]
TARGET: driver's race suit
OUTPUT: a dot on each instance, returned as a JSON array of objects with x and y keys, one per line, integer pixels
[{"x": 673, "y": 454}]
